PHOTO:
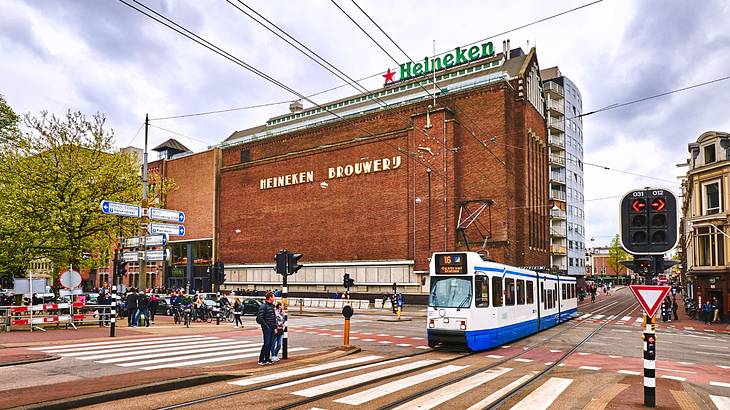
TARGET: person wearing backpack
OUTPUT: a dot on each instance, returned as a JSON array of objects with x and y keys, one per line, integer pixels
[{"x": 266, "y": 318}]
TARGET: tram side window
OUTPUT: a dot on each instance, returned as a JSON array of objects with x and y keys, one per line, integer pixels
[
  {"x": 481, "y": 283},
  {"x": 563, "y": 289},
  {"x": 530, "y": 292},
  {"x": 520, "y": 292},
  {"x": 555, "y": 295},
  {"x": 509, "y": 292},
  {"x": 549, "y": 299},
  {"x": 542, "y": 292},
  {"x": 496, "y": 291},
  {"x": 572, "y": 290}
]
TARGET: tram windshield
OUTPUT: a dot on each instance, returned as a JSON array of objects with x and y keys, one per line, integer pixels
[{"x": 450, "y": 292}]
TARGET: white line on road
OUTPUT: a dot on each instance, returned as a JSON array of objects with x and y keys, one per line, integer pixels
[
  {"x": 681, "y": 379},
  {"x": 629, "y": 372},
  {"x": 305, "y": 370},
  {"x": 422, "y": 347},
  {"x": 501, "y": 392},
  {"x": 715, "y": 346},
  {"x": 545, "y": 395},
  {"x": 676, "y": 371},
  {"x": 589, "y": 368},
  {"x": 720, "y": 384},
  {"x": 221, "y": 352},
  {"x": 524, "y": 360},
  {"x": 124, "y": 357},
  {"x": 325, "y": 375},
  {"x": 721, "y": 402},
  {"x": 625, "y": 318},
  {"x": 214, "y": 359},
  {"x": 714, "y": 354},
  {"x": 555, "y": 351},
  {"x": 494, "y": 356},
  {"x": 128, "y": 342}
]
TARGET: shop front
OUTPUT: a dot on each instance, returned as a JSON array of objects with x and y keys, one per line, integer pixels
[
  {"x": 713, "y": 286},
  {"x": 189, "y": 267}
]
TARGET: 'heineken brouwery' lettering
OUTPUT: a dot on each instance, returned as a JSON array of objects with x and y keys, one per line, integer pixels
[{"x": 457, "y": 57}]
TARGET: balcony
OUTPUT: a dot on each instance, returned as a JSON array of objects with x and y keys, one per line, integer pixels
[
  {"x": 555, "y": 124},
  {"x": 558, "y": 233},
  {"x": 557, "y": 249},
  {"x": 555, "y": 107},
  {"x": 558, "y": 214},
  {"x": 557, "y": 141},
  {"x": 557, "y": 195},
  {"x": 556, "y": 160},
  {"x": 553, "y": 90},
  {"x": 558, "y": 177}
]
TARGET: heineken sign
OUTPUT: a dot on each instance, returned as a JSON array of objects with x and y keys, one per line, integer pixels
[{"x": 458, "y": 56}]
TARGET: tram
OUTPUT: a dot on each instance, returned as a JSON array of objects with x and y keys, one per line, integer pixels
[{"x": 481, "y": 304}]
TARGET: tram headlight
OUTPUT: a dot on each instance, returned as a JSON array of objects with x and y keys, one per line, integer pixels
[
  {"x": 431, "y": 325},
  {"x": 463, "y": 325},
  {"x": 446, "y": 320}
]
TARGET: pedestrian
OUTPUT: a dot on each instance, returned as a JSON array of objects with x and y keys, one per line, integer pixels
[
  {"x": 154, "y": 302},
  {"x": 266, "y": 317},
  {"x": 715, "y": 310},
  {"x": 593, "y": 294},
  {"x": 675, "y": 306},
  {"x": 132, "y": 308},
  {"x": 707, "y": 311},
  {"x": 278, "y": 335},
  {"x": 143, "y": 303},
  {"x": 237, "y": 312}
]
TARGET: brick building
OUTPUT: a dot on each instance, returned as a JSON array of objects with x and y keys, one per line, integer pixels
[{"x": 393, "y": 177}]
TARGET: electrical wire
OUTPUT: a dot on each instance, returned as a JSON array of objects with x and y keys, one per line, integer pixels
[
  {"x": 178, "y": 133},
  {"x": 135, "y": 135},
  {"x": 219, "y": 111}
]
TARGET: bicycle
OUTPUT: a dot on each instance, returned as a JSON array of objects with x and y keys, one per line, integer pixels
[
  {"x": 177, "y": 315},
  {"x": 187, "y": 316}
]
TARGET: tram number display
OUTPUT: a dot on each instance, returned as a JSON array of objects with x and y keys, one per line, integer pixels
[{"x": 450, "y": 264}]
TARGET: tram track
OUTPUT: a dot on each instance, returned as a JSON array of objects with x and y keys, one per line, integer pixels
[{"x": 599, "y": 307}]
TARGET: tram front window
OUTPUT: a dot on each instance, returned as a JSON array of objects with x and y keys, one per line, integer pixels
[{"x": 450, "y": 292}]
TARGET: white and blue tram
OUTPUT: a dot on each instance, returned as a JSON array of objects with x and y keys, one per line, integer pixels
[{"x": 481, "y": 304}]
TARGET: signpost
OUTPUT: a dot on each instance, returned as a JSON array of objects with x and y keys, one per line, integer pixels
[
  {"x": 70, "y": 280},
  {"x": 130, "y": 256},
  {"x": 150, "y": 240},
  {"x": 159, "y": 228},
  {"x": 650, "y": 297},
  {"x": 157, "y": 256},
  {"x": 121, "y": 209},
  {"x": 169, "y": 215}
]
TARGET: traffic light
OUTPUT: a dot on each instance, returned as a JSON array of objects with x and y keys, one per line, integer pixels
[
  {"x": 280, "y": 259},
  {"x": 122, "y": 269},
  {"x": 347, "y": 282},
  {"x": 293, "y": 262},
  {"x": 221, "y": 272},
  {"x": 649, "y": 221}
]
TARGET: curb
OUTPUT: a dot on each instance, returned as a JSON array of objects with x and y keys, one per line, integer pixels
[
  {"x": 129, "y": 392},
  {"x": 29, "y": 361}
]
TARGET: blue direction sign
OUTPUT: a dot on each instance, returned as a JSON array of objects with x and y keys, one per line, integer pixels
[
  {"x": 169, "y": 215},
  {"x": 170, "y": 229},
  {"x": 120, "y": 209}
]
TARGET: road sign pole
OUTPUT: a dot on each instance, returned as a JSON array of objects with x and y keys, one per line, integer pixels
[
  {"x": 285, "y": 296},
  {"x": 145, "y": 219},
  {"x": 649, "y": 338},
  {"x": 113, "y": 324}
]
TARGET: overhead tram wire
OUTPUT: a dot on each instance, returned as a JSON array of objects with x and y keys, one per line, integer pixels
[
  {"x": 319, "y": 60},
  {"x": 614, "y": 106},
  {"x": 194, "y": 37},
  {"x": 379, "y": 73},
  {"x": 180, "y": 134},
  {"x": 135, "y": 134}
]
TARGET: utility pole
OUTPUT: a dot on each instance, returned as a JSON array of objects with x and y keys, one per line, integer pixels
[{"x": 145, "y": 219}]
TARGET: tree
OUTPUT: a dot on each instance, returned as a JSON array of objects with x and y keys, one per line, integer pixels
[
  {"x": 616, "y": 254},
  {"x": 54, "y": 177}
]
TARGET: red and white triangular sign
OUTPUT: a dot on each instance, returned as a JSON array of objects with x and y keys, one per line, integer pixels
[{"x": 650, "y": 297}]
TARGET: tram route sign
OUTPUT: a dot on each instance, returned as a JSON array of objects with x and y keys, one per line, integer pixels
[
  {"x": 650, "y": 297},
  {"x": 451, "y": 263}
]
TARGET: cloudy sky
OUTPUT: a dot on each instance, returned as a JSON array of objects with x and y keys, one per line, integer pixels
[{"x": 100, "y": 55}]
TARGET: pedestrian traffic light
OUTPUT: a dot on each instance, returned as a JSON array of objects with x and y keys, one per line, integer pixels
[
  {"x": 221, "y": 272},
  {"x": 347, "y": 282},
  {"x": 280, "y": 259},
  {"x": 649, "y": 221},
  {"x": 293, "y": 262},
  {"x": 122, "y": 269}
]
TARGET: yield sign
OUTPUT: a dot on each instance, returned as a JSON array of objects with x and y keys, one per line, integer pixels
[{"x": 650, "y": 297}]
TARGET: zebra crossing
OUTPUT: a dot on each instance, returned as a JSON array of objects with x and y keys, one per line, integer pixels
[{"x": 161, "y": 352}]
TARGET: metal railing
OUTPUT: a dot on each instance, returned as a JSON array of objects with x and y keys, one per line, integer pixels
[
  {"x": 556, "y": 194},
  {"x": 557, "y": 159},
  {"x": 558, "y": 214},
  {"x": 558, "y": 124},
  {"x": 554, "y": 105},
  {"x": 553, "y": 88},
  {"x": 557, "y": 176},
  {"x": 558, "y": 249},
  {"x": 557, "y": 140}
]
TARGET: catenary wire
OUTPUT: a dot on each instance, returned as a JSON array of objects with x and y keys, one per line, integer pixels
[
  {"x": 135, "y": 135},
  {"x": 178, "y": 133},
  {"x": 195, "y": 114}
]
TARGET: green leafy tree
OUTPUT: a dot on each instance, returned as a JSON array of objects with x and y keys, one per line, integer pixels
[
  {"x": 54, "y": 176},
  {"x": 616, "y": 254}
]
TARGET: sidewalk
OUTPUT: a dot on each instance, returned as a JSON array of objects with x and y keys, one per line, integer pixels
[{"x": 687, "y": 323}]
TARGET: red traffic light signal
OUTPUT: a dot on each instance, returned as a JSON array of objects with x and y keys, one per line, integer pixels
[
  {"x": 658, "y": 204},
  {"x": 638, "y": 205}
]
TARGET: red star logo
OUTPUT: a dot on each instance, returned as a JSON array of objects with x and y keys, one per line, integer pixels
[{"x": 389, "y": 76}]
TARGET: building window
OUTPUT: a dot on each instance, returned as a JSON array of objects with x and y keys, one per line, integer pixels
[
  {"x": 710, "y": 249},
  {"x": 711, "y": 198},
  {"x": 709, "y": 152}
]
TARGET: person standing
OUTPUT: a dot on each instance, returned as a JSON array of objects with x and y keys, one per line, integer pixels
[
  {"x": 143, "y": 303},
  {"x": 154, "y": 302},
  {"x": 675, "y": 307},
  {"x": 278, "y": 335},
  {"x": 237, "y": 312},
  {"x": 132, "y": 307},
  {"x": 707, "y": 311},
  {"x": 266, "y": 317},
  {"x": 715, "y": 310}
]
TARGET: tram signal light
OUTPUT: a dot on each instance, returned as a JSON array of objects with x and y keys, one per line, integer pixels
[
  {"x": 293, "y": 262},
  {"x": 280, "y": 259},
  {"x": 347, "y": 282},
  {"x": 122, "y": 269},
  {"x": 649, "y": 221}
]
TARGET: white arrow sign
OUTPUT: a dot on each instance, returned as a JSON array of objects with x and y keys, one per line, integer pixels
[
  {"x": 158, "y": 228},
  {"x": 130, "y": 256},
  {"x": 157, "y": 255},
  {"x": 170, "y": 215},
  {"x": 120, "y": 209},
  {"x": 150, "y": 240}
]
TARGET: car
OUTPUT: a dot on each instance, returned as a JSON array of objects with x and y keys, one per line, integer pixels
[
  {"x": 163, "y": 306},
  {"x": 251, "y": 306}
]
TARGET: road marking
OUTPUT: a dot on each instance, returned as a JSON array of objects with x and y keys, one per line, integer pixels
[
  {"x": 383, "y": 335},
  {"x": 312, "y": 333},
  {"x": 610, "y": 317},
  {"x": 124, "y": 357},
  {"x": 311, "y": 369},
  {"x": 614, "y": 356},
  {"x": 501, "y": 392},
  {"x": 689, "y": 328},
  {"x": 720, "y": 384},
  {"x": 686, "y": 363},
  {"x": 589, "y": 368},
  {"x": 336, "y": 335},
  {"x": 629, "y": 372},
  {"x": 385, "y": 342},
  {"x": 715, "y": 346},
  {"x": 545, "y": 395},
  {"x": 715, "y": 354},
  {"x": 524, "y": 360},
  {"x": 403, "y": 344},
  {"x": 585, "y": 316},
  {"x": 555, "y": 351},
  {"x": 214, "y": 359},
  {"x": 561, "y": 365},
  {"x": 494, "y": 356},
  {"x": 352, "y": 381},
  {"x": 709, "y": 330},
  {"x": 721, "y": 402},
  {"x": 175, "y": 358},
  {"x": 325, "y": 375},
  {"x": 626, "y": 318},
  {"x": 451, "y": 391},
  {"x": 596, "y": 317},
  {"x": 639, "y": 320},
  {"x": 399, "y": 337},
  {"x": 137, "y": 343},
  {"x": 354, "y": 337},
  {"x": 583, "y": 353},
  {"x": 100, "y": 352},
  {"x": 548, "y": 363},
  {"x": 422, "y": 347},
  {"x": 368, "y": 340},
  {"x": 417, "y": 338},
  {"x": 365, "y": 333},
  {"x": 723, "y": 367},
  {"x": 676, "y": 371},
  {"x": 681, "y": 379},
  {"x": 622, "y": 330},
  {"x": 505, "y": 347},
  {"x": 126, "y": 342},
  {"x": 397, "y": 385}
]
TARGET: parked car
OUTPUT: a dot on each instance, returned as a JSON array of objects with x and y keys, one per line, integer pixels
[
  {"x": 251, "y": 306},
  {"x": 163, "y": 306}
]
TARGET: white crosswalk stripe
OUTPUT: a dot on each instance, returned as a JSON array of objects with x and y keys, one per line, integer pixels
[
  {"x": 322, "y": 376},
  {"x": 161, "y": 352},
  {"x": 501, "y": 392},
  {"x": 545, "y": 395},
  {"x": 598, "y": 316},
  {"x": 626, "y": 318},
  {"x": 721, "y": 402},
  {"x": 451, "y": 391}
]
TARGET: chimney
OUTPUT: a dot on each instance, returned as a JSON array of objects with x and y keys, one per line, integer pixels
[
  {"x": 508, "y": 49},
  {"x": 504, "y": 49},
  {"x": 296, "y": 106}
]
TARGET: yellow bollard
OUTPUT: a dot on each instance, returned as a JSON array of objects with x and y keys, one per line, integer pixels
[
  {"x": 346, "y": 335},
  {"x": 398, "y": 312},
  {"x": 301, "y": 304}
]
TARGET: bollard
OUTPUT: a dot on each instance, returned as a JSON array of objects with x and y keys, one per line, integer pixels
[
  {"x": 113, "y": 312},
  {"x": 397, "y": 311},
  {"x": 649, "y": 337},
  {"x": 347, "y": 312},
  {"x": 301, "y": 306}
]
